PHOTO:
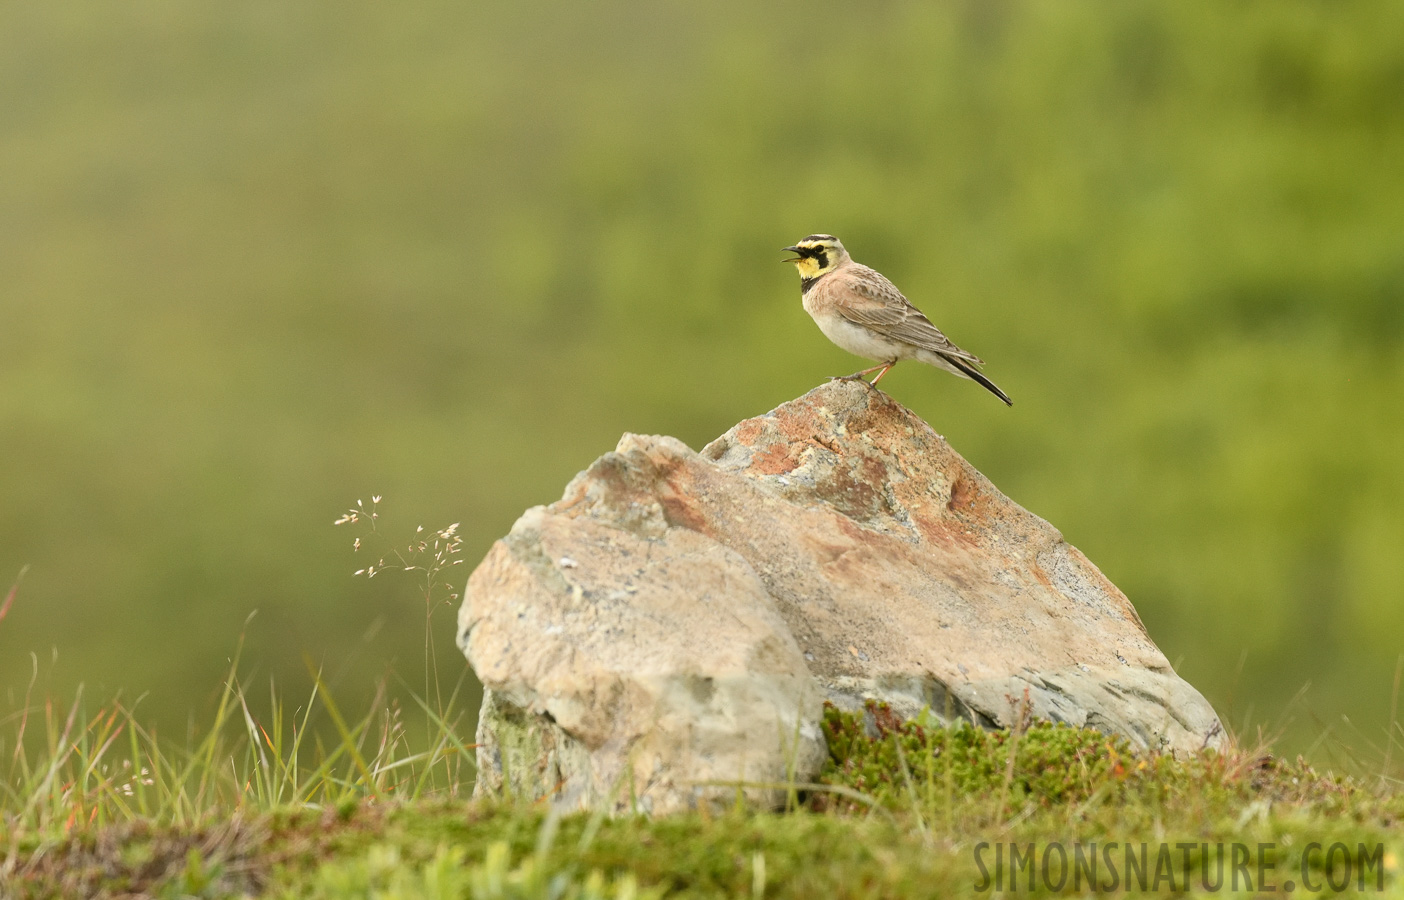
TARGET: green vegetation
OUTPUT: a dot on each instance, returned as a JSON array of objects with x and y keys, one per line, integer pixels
[
  {"x": 257, "y": 259},
  {"x": 900, "y": 812}
]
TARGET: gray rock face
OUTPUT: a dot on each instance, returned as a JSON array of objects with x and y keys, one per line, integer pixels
[{"x": 675, "y": 621}]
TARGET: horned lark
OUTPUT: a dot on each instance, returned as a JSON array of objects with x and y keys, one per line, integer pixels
[{"x": 864, "y": 313}]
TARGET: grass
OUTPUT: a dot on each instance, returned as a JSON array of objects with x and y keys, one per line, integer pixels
[
  {"x": 305, "y": 801},
  {"x": 270, "y": 806}
]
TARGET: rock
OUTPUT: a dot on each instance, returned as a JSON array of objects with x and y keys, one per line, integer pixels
[
  {"x": 626, "y": 660},
  {"x": 672, "y": 625}
]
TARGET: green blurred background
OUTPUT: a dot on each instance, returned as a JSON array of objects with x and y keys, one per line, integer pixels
[{"x": 260, "y": 259}]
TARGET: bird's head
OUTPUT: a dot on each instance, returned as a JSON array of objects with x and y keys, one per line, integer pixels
[{"x": 819, "y": 254}]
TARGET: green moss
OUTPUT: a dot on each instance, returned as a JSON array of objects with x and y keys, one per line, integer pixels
[
  {"x": 382, "y": 872},
  {"x": 891, "y": 760},
  {"x": 899, "y": 813},
  {"x": 918, "y": 763}
]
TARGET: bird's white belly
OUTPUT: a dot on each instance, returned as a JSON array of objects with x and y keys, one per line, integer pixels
[{"x": 859, "y": 340}]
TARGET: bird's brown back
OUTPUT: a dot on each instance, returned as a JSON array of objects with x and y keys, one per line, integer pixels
[{"x": 865, "y": 297}]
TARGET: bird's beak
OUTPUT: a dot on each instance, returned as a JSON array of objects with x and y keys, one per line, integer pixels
[{"x": 793, "y": 250}]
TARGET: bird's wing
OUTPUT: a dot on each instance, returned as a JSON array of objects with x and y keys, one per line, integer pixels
[{"x": 876, "y": 303}]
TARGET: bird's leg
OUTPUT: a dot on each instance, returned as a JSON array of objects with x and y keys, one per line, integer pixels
[
  {"x": 856, "y": 375},
  {"x": 884, "y": 368}
]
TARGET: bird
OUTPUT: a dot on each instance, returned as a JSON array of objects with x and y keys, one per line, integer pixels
[{"x": 864, "y": 313}]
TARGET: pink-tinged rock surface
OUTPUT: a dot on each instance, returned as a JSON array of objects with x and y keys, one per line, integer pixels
[{"x": 677, "y": 618}]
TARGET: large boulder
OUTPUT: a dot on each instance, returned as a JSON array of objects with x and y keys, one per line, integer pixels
[{"x": 672, "y": 625}]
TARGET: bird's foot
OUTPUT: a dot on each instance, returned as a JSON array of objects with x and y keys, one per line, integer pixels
[{"x": 862, "y": 374}]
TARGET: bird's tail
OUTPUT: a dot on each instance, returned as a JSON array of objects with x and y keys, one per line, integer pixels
[{"x": 974, "y": 374}]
